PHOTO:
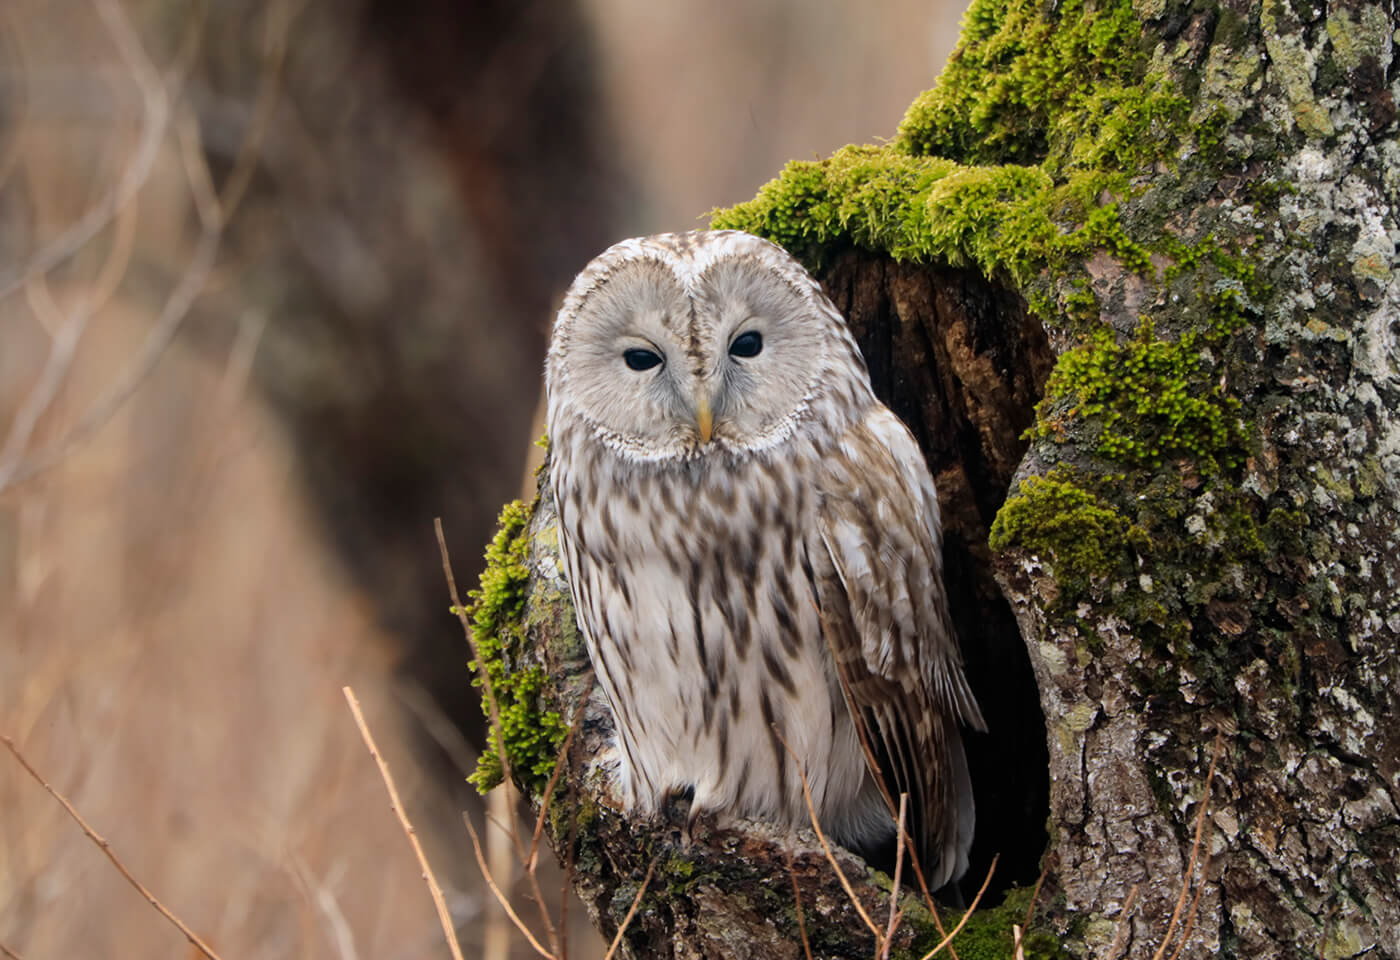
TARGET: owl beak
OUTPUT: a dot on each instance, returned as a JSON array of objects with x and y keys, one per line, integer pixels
[{"x": 703, "y": 418}]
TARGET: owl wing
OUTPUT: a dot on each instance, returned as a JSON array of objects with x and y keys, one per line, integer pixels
[{"x": 885, "y": 616}]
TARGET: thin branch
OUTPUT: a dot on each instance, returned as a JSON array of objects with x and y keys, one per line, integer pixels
[
  {"x": 501, "y": 897},
  {"x": 559, "y": 763},
  {"x": 568, "y": 881},
  {"x": 1124, "y": 922},
  {"x": 631, "y": 912},
  {"x": 1030, "y": 908},
  {"x": 826, "y": 847},
  {"x": 488, "y": 689},
  {"x": 1195, "y": 851},
  {"x": 156, "y": 112},
  {"x": 895, "y": 913},
  {"x": 1191, "y": 913},
  {"x": 797, "y": 901},
  {"x": 106, "y": 849},
  {"x": 948, "y": 939},
  {"x": 329, "y": 907},
  {"x": 444, "y": 917},
  {"x": 12, "y": 955},
  {"x": 1018, "y": 952}
]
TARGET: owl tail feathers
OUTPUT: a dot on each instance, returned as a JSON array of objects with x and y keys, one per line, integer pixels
[
  {"x": 958, "y": 693},
  {"x": 948, "y": 861}
]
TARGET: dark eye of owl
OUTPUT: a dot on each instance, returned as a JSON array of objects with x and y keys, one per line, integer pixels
[
  {"x": 638, "y": 359},
  {"x": 746, "y": 344}
]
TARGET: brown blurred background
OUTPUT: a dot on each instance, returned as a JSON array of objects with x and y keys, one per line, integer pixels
[{"x": 275, "y": 282}]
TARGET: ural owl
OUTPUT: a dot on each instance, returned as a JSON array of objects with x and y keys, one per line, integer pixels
[{"x": 754, "y": 549}]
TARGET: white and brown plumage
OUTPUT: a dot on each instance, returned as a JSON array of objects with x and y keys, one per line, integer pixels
[{"x": 754, "y": 549}]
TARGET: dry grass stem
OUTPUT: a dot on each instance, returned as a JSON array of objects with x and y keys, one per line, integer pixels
[
  {"x": 1191, "y": 913},
  {"x": 487, "y": 688},
  {"x": 1195, "y": 852},
  {"x": 631, "y": 912},
  {"x": 1030, "y": 908},
  {"x": 1019, "y": 953},
  {"x": 821, "y": 837},
  {"x": 106, "y": 849},
  {"x": 971, "y": 907},
  {"x": 501, "y": 897},
  {"x": 559, "y": 763},
  {"x": 1123, "y": 922},
  {"x": 797, "y": 902},
  {"x": 155, "y": 120},
  {"x": 895, "y": 913},
  {"x": 444, "y": 917}
]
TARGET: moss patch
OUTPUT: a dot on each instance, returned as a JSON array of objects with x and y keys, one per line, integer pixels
[
  {"x": 1056, "y": 518},
  {"x": 528, "y": 735},
  {"x": 1150, "y": 399},
  {"x": 987, "y": 935}
]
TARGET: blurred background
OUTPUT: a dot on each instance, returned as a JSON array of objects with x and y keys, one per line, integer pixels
[{"x": 276, "y": 278}]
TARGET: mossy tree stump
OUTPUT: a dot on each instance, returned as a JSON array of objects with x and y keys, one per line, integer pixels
[{"x": 1127, "y": 271}]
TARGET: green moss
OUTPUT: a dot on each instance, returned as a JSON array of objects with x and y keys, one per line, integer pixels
[
  {"x": 987, "y": 935},
  {"x": 528, "y": 735},
  {"x": 1031, "y": 81},
  {"x": 1054, "y": 517},
  {"x": 1150, "y": 399}
]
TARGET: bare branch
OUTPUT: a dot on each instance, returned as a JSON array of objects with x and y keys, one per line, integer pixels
[
  {"x": 156, "y": 118},
  {"x": 1123, "y": 922},
  {"x": 797, "y": 901},
  {"x": 500, "y": 897},
  {"x": 1195, "y": 850},
  {"x": 948, "y": 939},
  {"x": 1030, "y": 907},
  {"x": 898, "y": 872},
  {"x": 106, "y": 849},
  {"x": 631, "y": 912},
  {"x": 444, "y": 917},
  {"x": 826, "y": 847}
]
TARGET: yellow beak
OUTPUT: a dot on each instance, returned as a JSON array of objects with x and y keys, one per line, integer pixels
[{"x": 703, "y": 419}]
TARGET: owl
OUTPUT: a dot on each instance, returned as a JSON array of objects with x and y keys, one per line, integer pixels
[{"x": 753, "y": 546}]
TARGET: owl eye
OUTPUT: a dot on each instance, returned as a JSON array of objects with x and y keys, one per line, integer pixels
[
  {"x": 638, "y": 359},
  {"x": 746, "y": 344}
]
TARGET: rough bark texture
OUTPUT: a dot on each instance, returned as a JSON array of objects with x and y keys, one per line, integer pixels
[{"x": 1189, "y": 210}]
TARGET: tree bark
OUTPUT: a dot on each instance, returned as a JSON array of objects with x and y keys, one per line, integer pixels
[{"x": 1128, "y": 273}]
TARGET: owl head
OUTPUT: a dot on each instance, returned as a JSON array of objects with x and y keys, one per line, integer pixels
[{"x": 682, "y": 345}]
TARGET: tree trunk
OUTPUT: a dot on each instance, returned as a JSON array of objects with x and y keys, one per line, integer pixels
[{"x": 1127, "y": 273}]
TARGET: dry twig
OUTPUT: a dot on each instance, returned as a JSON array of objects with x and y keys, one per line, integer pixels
[
  {"x": 948, "y": 938},
  {"x": 821, "y": 837},
  {"x": 631, "y": 912},
  {"x": 1191, "y": 867},
  {"x": 1020, "y": 931},
  {"x": 444, "y": 917},
  {"x": 895, "y": 913},
  {"x": 1123, "y": 922},
  {"x": 501, "y": 897},
  {"x": 797, "y": 901},
  {"x": 106, "y": 849}
]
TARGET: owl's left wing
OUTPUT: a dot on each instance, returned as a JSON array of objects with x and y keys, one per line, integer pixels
[{"x": 885, "y": 615}]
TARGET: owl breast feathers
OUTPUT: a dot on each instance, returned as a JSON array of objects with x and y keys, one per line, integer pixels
[{"x": 753, "y": 545}]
